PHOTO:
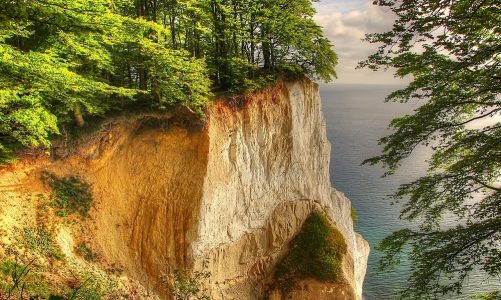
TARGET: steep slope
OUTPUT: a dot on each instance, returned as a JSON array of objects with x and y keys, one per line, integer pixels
[
  {"x": 227, "y": 196},
  {"x": 268, "y": 168}
]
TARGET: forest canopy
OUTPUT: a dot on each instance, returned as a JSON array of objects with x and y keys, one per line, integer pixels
[{"x": 62, "y": 61}]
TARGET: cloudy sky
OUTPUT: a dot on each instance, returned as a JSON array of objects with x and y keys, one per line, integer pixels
[{"x": 345, "y": 23}]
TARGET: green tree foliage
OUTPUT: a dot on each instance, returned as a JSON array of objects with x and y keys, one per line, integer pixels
[
  {"x": 242, "y": 38},
  {"x": 62, "y": 61},
  {"x": 452, "y": 51}
]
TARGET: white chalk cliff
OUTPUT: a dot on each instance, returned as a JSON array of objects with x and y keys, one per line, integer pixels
[
  {"x": 230, "y": 194},
  {"x": 268, "y": 168}
]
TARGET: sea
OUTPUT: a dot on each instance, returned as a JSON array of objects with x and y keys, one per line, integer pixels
[{"x": 357, "y": 117}]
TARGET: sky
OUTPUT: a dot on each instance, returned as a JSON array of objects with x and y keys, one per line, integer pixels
[{"x": 345, "y": 23}]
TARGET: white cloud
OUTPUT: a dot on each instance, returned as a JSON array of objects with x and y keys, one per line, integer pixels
[{"x": 345, "y": 23}]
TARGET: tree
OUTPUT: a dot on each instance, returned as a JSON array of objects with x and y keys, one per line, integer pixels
[
  {"x": 250, "y": 40},
  {"x": 452, "y": 50},
  {"x": 63, "y": 60}
]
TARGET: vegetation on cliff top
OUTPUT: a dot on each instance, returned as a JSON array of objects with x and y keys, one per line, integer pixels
[
  {"x": 62, "y": 61},
  {"x": 316, "y": 252},
  {"x": 452, "y": 50}
]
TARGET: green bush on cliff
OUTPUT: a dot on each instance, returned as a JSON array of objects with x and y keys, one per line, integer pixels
[
  {"x": 85, "y": 252},
  {"x": 186, "y": 286},
  {"x": 70, "y": 194},
  {"x": 316, "y": 252},
  {"x": 22, "y": 280},
  {"x": 65, "y": 62}
]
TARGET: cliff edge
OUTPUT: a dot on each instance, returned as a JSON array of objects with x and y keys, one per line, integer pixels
[{"x": 227, "y": 197}]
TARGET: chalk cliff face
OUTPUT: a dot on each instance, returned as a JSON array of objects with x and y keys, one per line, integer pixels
[
  {"x": 227, "y": 196},
  {"x": 268, "y": 168}
]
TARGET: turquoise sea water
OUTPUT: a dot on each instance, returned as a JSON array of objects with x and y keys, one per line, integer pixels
[{"x": 356, "y": 118}]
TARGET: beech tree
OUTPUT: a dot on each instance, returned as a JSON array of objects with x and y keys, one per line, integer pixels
[
  {"x": 63, "y": 61},
  {"x": 452, "y": 51}
]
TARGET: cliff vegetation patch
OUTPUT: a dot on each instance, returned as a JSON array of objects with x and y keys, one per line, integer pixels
[
  {"x": 85, "y": 252},
  {"x": 38, "y": 240},
  {"x": 70, "y": 195},
  {"x": 316, "y": 252},
  {"x": 59, "y": 74},
  {"x": 186, "y": 286}
]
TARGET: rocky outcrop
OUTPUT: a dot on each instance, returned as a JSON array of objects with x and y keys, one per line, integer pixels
[
  {"x": 229, "y": 195},
  {"x": 268, "y": 168}
]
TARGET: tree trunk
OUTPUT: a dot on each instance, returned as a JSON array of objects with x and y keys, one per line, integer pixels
[
  {"x": 77, "y": 113},
  {"x": 266, "y": 52},
  {"x": 155, "y": 89}
]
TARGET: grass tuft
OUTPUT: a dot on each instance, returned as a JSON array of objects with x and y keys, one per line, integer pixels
[
  {"x": 70, "y": 195},
  {"x": 354, "y": 216}
]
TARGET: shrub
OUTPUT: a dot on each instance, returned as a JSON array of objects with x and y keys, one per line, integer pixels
[
  {"x": 6, "y": 155},
  {"x": 17, "y": 274},
  {"x": 22, "y": 280},
  {"x": 85, "y": 252},
  {"x": 189, "y": 286},
  {"x": 496, "y": 295},
  {"x": 70, "y": 195},
  {"x": 93, "y": 287},
  {"x": 316, "y": 252},
  {"x": 88, "y": 290}
]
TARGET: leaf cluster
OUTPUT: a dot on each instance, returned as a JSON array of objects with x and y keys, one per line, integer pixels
[{"x": 451, "y": 50}]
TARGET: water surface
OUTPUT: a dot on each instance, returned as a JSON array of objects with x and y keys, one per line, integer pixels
[{"x": 356, "y": 118}]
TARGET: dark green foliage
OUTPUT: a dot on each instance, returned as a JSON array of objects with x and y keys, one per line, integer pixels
[
  {"x": 456, "y": 76},
  {"x": 6, "y": 155},
  {"x": 65, "y": 62},
  {"x": 316, "y": 252},
  {"x": 70, "y": 195},
  {"x": 85, "y": 252},
  {"x": 277, "y": 36}
]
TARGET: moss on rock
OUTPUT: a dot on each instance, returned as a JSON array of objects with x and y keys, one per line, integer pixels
[{"x": 316, "y": 252}]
